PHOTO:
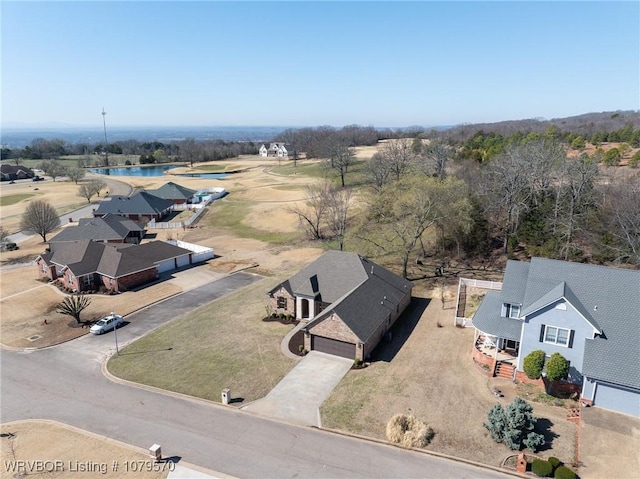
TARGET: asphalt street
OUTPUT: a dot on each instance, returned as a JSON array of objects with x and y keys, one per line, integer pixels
[{"x": 65, "y": 383}]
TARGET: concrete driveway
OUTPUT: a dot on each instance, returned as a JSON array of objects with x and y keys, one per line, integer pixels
[{"x": 297, "y": 398}]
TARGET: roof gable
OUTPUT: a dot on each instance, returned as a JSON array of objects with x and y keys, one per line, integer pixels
[
  {"x": 141, "y": 203},
  {"x": 173, "y": 191}
]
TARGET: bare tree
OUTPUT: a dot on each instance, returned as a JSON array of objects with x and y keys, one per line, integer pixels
[
  {"x": 40, "y": 218},
  {"x": 52, "y": 168},
  {"x": 339, "y": 202},
  {"x": 75, "y": 174},
  {"x": 189, "y": 150},
  {"x": 343, "y": 159},
  {"x": 399, "y": 155},
  {"x": 90, "y": 189},
  {"x": 379, "y": 170},
  {"x": 621, "y": 212},
  {"x": 313, "y": 213},
  {"x": 434, "y": 157},
  {"x": 73, "y": 306}
]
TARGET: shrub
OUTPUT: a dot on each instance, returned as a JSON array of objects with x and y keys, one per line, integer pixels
[
  {"x": 557, "y": 367},
  {"x": 357, "y": 362},
  {"x": 541, "y": 468},
  {"x": 564, "y": 473},
  {"x": 514, "y": 425},
  {"x": 300, "y": 348},
  {"x": 554, "y": 461},
  {"x": 533, "y": 364},
  {"x": 408, "y": 432}
]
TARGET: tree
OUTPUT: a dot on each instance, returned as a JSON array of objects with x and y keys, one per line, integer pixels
[
  {"x": 52, "y": 168},
  {"x": 578, "y": 143},
  {"x": 557, "y": 367},
  {"x": 634, "y": 162},
  {"x": 40, "y": 218},
  {"x": 312, "y": 215},
  {"x": 73, "y": 306},
  {"x": 90, "y": 189},
  {"x": 189, "y": 150},
  {"x": 533, "y": 364},
  {"x": 612, "y": 157},
  {"x": 3, "y": 234},
  {"x": 620, "y": 214},
  {"x": 341, "y": 160},
  {"x": 337, "y": 212},
  {"x": 379, "y": 170},
  {"x": 434, "y": 158},
  {"x": 399, "y": 156},
  {"x": 75, "y": 174},
  {"x": 514, "y": 425}
]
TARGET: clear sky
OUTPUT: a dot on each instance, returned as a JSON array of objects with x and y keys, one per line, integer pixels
[{"x": 315, "y": 63}]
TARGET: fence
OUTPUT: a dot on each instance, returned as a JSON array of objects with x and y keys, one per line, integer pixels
[
  {"x": 198, "y": 207},
  {"x": 201, "y": 253},
  {"x": 460, "y": 318}
]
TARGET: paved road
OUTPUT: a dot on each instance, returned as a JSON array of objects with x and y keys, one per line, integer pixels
[
  {"x": 114, "y": 187},
  {"x": 65, "y": 383}
]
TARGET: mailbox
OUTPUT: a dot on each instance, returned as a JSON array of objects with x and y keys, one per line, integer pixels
[{"x": 155, "y": 452}]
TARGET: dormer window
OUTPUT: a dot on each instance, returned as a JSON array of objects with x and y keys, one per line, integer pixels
[{"x": 510, "y": 310}]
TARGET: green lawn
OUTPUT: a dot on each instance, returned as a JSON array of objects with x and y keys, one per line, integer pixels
[
  {"x": 229, "y": 214},
  {"x": 13, "y": 199},
  {"x": 217, "y": 168},
  {"x": 224, "y": 344}
]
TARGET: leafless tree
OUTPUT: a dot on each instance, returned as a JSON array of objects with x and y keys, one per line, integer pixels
[
  {"x": 621, "y": 212},
  {"x": 90, "y": 189},
  {"x": 434, "y": 157},
  {"x": 379, "y": 170},
  {"x": 339, "y": 202},
  {"x": 313, "y": 213},
  {"x": 342, "y": 160},
  {"x": 73, "y": 306},
  {"x": 189, "y": 150},
  {"x": 52, "y": 168},
  {"x": 399, "y": 156},
  {"x": 40, "y": 218},
  {"x": 75, "y": 174}
]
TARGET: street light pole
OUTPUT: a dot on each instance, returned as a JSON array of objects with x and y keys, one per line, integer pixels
[
  {"x": 104, "y": 123},
  {"x": 115, "y": 333}
]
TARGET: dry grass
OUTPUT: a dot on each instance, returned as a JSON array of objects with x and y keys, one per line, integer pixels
[
  {"x": 408, "y": 432},
  {"x": 73, "y": 448},
  {"x": 431, "y": 375}
]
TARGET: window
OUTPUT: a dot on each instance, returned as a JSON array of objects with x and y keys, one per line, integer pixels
[
  {"x": 282, "y": 302},
  {"x": 511, "y": 310},
  {"x": 555, "y": 335}
]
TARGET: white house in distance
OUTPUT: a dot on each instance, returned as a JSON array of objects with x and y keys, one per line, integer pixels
[{"x": 277, "y": 150}]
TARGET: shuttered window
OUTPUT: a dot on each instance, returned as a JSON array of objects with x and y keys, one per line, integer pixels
[{"x": 554, "y": 335}]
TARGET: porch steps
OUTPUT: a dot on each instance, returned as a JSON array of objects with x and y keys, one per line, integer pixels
[{"x": 504, "y": 370}]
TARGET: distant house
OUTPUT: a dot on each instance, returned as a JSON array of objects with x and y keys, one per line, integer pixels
[
  {"x": 13, "y": 172},
  {"x": 589, "y": 314},
  {"x": 173, "y": 192},
  {"x": 276, "y": 150},
  {"x": 349, "y": 302},
  {"x": 109, "y": 228},
  {"x": 141, "y": 206},
  {"x": 88, "y": 265}
]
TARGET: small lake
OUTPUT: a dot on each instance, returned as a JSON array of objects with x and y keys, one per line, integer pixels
[{"x": 150, "y": 170}]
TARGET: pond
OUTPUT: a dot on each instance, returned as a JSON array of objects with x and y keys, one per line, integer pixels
[{"x": 151, "y": 170}]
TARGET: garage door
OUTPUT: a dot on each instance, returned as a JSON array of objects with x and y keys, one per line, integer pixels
[
  {"x": 166, "y": 265},
  {"x": 333, "y": 346},
  {"x": 183, "y": 261},
  {"x": 618, "y": 399}
]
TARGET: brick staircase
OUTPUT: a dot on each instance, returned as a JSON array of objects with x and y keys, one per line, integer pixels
[
  {"x": 504, "y": 370},
  {"x": 573, "y": 414}
]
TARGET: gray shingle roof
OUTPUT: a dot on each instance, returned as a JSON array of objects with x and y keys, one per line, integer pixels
[
  {"x": 487, "y": 318},
  {"x": 359, "y": 291},
  {"x": 608, "y": 298},
  {"x": 108, "y": 228},
  {"x": 141, "y": 203},
  {"x": 173, "y": 191}
]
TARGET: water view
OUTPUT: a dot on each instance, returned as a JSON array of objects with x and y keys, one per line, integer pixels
[{"x": 151, "y": 170}]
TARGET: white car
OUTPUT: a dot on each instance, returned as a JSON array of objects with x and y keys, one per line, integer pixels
[{"x": 107, "y": 324}]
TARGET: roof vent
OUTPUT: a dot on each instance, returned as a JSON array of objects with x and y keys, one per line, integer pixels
[
  {"x": 371, "y": 269},
  {"x": 595, "y": 308}
]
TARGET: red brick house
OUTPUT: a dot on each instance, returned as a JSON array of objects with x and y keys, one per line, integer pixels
[
  {"x": 141, "y": 207},
  {"x": 350, "y": 303},
  {"x": 88, "y": 265}
]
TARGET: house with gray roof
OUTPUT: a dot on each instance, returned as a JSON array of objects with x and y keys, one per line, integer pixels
[
  {"x": 275, "y": 149},
  {"x": 86, "y": 265},
  {"x": 15, "y": 172},
  {"x": 589, "y": 314},
  {"x": 141, "y": 207},
  {"x": 109, "y": 228},
  {"x": 174, "y": 192},
  {"x": 348, "y": 302}
]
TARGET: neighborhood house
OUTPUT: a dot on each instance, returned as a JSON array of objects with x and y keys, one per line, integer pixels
[
  {"x": 589, "y": 314},
  {"x": 15, "y": 172},
  {"x": 141, "y": 206},
  {"x": 278, "y": 150},
  {"x": 348, "y": 302},
  {"x": 87, "y": 265},
  {"x": 108, "y": 229},
  {"x": 175, "y": 193}
]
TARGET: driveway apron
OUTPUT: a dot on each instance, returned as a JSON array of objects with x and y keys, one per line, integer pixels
[{"x": 297, "y": 398}]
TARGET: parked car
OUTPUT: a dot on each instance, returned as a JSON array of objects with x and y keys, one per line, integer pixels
[
  {"x": 37, "y": 178},
  {"x": 8, "y": 246},
  {"x": 107, "y": 324}
]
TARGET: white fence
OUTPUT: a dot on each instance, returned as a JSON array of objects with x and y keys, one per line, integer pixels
[
  {"x": 460, "y": 319},
  {"x": 197, "y": 207},
  {"x": 201, "y": 253}
]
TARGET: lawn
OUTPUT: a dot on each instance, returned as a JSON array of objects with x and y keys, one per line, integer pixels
[
  {"x": 13, "y": 199},
  {"x": 224, "y": 344},
  {"x": 232, "y": 216},
  {"x": 427, "y": 371}
]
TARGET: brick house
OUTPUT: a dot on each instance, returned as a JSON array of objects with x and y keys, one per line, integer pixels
[
  {"x": 15, "y": 172},
  {"x": 348, "y": 302},
  {"x": 174, "y": 192},
  {"x": 88, "y": 265}
]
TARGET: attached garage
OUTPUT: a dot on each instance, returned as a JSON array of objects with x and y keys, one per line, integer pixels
[
  {"x": 183, "y": 260},
  {"x": 616, "y": 398},
  {"x": 333, "y": 346},
  {"x": 166, "y": 265}
]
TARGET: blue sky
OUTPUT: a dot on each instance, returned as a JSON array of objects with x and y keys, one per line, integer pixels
[{"x": 315, "y": 63}]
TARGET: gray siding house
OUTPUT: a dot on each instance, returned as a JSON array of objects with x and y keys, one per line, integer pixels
[{"x": 589, "y": 314}]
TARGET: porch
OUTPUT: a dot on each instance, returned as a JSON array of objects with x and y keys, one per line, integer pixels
[{"x": 499, "y": 349}]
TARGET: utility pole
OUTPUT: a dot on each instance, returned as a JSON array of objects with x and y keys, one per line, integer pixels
[{"x": 104, "y": 123}]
